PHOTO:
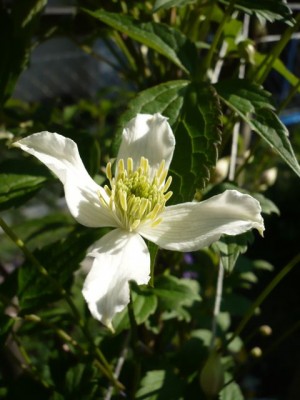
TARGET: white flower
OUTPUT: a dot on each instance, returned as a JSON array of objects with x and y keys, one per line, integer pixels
[{"x": 134, "y": 204}]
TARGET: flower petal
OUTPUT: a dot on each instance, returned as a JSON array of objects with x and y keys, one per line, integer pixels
[
  {"x": 191, "y": 226},
  {"x": 119, "y": 257},
  {"x": 148, "y": 136},
  {"x": 61, "y": 156}
]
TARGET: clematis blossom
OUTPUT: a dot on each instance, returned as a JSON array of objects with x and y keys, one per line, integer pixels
[{"x": 134, "y": 204}]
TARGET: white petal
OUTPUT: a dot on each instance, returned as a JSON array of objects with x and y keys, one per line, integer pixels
[
  {"x": 61, "y": 156},
  {"x": 149, "y": 136},
  {"x": 119, "y": 257},
  {"x": 191, "y": 226}
]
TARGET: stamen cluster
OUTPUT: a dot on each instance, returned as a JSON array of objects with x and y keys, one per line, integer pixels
[{"x": 134, "y": 197}]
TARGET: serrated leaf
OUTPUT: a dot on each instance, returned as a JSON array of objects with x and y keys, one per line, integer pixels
[
  {"x": 144, "y": 304},
  {"x": 162, "y": 38},
  {"x": 60, "y": 259},
  {"x": 19, "y": 181},
  {"x": 271, "y": 10},
  {"x": 166, "y": 4},
  {"x": 198, "y": 133},
  {"x": 175, "y": 295},
  {"x": 194, "y": 114},
  {"x": 166, "y": 99},
  {"x": 252, "y": 103},
  {"x": 160, "y": 384}
]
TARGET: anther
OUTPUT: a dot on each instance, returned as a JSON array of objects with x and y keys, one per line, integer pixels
[
  {"x": 121, "y": 167},
  {"x": 135, "y": 224},
  {"x": 129, "y": 165},
  {"x": 108, "y": 171},
  {"x": 123, "y": 199},
  {"x": 167, "y": 184},
  {"x": 160, "y": 168}
]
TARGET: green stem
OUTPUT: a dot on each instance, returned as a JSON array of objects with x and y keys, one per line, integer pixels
[
  {"x": 121, "y": 43},
  {"x": 153, "y": 249},
  {"x": 217, "y": 36},
  {"x": 263, "y": 71},
  {"x": 217, "y": 305},
  {"x": 27, "y": 365},
  {"x": 19, "y": 243},
  {"x": 275, "y": 281}
]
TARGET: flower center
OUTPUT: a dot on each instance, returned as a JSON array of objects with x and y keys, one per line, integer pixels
[{"x": 135, "y": 197}]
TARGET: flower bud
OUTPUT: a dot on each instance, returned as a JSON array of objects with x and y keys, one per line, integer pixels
[
  {"x": 212, "y": 375},
  {"x": 265, "y": 330},
  {"x": 256, "y": 352}
]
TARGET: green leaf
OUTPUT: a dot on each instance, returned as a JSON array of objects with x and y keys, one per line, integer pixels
[
  {"x": 166, "y": 4},
  {"x": 60, "y": 259},
  {"x": 175, "y": 295},
  {"x": 160, "y": 384},
  {"x": 267, "y": 205},
  {"x": 144, "y": 304},
  {"x": 164, "y": 39},
  {"x": 271, "y": 10},
  {"x": 231, "y": 391},
  {"x": 230, "y": 247},
  {"x": 80, "y": 382},
  {"x": 20, "y": 179},
  {"x": 194, "y": 113},
  {"x": 198, "y": 133},
  {"x": 252, "y": 103}
]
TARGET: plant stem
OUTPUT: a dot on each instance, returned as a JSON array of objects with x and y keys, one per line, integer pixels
[
  {"x": 217, "y": 305},
  {"x": 264, "y": 69},
  {"x": 119, "y": 366},
  {"x": 217, "y": 36},
  {"x": 275, "y": 281},
  {"x": 153, "y": 249}
]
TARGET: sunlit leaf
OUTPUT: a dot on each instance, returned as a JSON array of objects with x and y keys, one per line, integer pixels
[
  {"x": 253, "y": 104},
  {"x": 271, "y": 10},
  {"x": 166, "y": 4},
  {"x": 164, "y": 39}
]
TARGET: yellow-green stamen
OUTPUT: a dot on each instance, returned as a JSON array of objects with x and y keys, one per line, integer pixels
[{"x": 134, "y": 197}]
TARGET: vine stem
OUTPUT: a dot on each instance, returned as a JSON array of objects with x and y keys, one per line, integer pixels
[
  {"x": 105, "y": 367},
  {"x": 265, "y": 293},
  {"x": 237, "y": 125},
  {"x": 217, "y": 305},
  {"x": 264, "y": 68},
  {"x": 217, "y": 36}
]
